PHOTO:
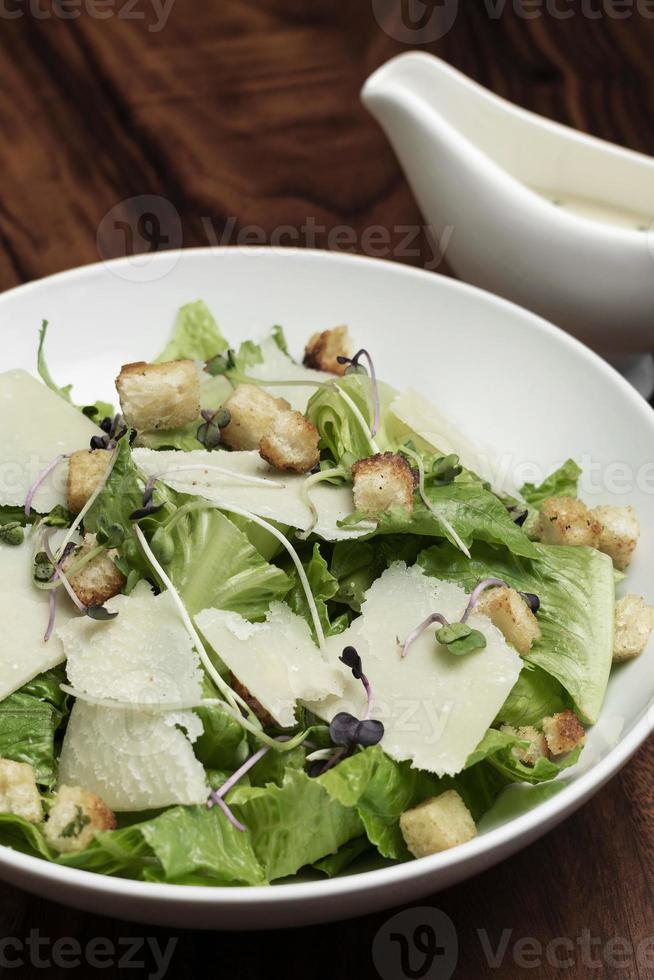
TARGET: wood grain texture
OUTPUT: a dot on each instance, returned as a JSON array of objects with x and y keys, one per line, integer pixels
[{"x": 245, "y": 117}]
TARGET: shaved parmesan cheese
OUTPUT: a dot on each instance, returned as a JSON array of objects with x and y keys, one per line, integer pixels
[
  {"x": 132, "y": 760},
  {"x": 435, "y": 707},
  {"x": 277, "y": 660},
  {"x": 418, "y": 416},
  {"x": 278, "y": 366},
  {"x": 215, "y": 476},
  {"x": 23, "y": 652},
  {"x": 144, "y": 655},
  {"x": 36, "y": 425}
]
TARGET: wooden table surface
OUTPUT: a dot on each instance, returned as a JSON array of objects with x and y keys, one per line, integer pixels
[{"x": 244, "y": 117}]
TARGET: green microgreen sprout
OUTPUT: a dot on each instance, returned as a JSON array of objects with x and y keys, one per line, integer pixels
[{"x": 210, "y": 432}]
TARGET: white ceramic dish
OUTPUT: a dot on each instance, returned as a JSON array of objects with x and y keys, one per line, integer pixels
[
  {"x": 489, "y": 171},
  {"x": 507, "y": 378}
]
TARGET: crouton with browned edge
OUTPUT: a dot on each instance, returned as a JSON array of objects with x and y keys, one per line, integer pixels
[
  {"x": 85, "y": 470},
  {"x": 507, "y": 610},
  {"x": 564, "y": 520},
  {"x": 291, "y": 443},
  {"x": 98, "y": 579},
  {"x": 251, "y": 413},
  {"x": 18, "y": 791},
  {"x": 324, "y": 349},
  {"x": 74, "y": 818},
  {"x": 381, "y": 482},
  {"x": 159, "y": 396},
  {"x": 562, "y": 732}
]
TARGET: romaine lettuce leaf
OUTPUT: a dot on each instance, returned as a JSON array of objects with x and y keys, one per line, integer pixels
[
  {"x": 576, "y": 589},
  {"x": 324, "y": 587},
  {"x": 496, "y": 748},
  {"x": 196, "y": 335},
  {"x": 342, "y": 436},
  {"x": 534, "y": 695},
  {"x": 561, "y": 483},
  {"x": 29, "y": 719}
]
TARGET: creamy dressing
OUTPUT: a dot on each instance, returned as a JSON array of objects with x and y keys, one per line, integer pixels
[{"x": 602, "y": 211}]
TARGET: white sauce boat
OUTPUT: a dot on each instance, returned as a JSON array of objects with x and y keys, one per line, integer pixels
[{"x": 557, "y": 221}]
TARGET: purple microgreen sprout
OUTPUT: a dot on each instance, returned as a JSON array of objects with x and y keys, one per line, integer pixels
[
  {"x": 148, "y": 507},
  {"x": 355, "y": 368},
  {"x": 114, "y": 430},
  {"x": 210, "y": 432},
  {"x": 39, "y": 480},
  {"x": 425, "y": 624},
  {"x": 351, "y": 659},
  {"x": 486, "y": 583}
]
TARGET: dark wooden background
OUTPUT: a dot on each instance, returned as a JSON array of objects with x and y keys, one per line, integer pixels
[{"x": 241, "y": 114}]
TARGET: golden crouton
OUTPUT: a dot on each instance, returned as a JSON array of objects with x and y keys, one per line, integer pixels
[
  {"x": 18, "y": 791},
  {"x": 324, "y": 349},
  {"x": 251, "y": 411},
  {"x": 381, "y": 482},
  {"x": 74, "y": 818},
  {"x": 437, "y": 824},
  {"x": 562, "y": 732},
  {"x": 85, "y": 470},
  {"x": 537, "y": 749},
  {"x": 634, "y": 621},
  {"x": 99, "y": 579},
  {"x": 507, "y": 610},
  {"x": 291, "y": 443},
  {"x": 159, "y": 396},
  {"x": 619, "y": 534},
  {"x": 564, "y": 520}
]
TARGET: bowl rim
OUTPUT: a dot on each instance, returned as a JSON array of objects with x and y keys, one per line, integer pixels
[{"x": 498, "y": 842}]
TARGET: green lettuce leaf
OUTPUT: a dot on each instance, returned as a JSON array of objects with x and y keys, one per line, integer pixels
[
  {"x": 381, "y": 790},
  {"x": 324, "y": 587},
  {"x": 196, "y": 335},
  {"x": 473, "y": 511},
  {"x": 576, "y": 589},
  {"x": 562, "y": 483},
  {"x": 29, "y": 719},
  {"x": 63, "y": 391},
  {"x": 534, "y": 695},
  {"x": 342, "y": 437},
  {"x": 335, "y": 864},
  {"x": 497, "y": 747}
]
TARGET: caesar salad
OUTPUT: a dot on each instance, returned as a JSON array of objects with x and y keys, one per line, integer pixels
[{"x": 266, "y": 615}]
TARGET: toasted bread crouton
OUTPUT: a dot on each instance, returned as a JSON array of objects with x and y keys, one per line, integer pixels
[
  {"x": 291, "y": 443},
  {"x": 74, "y": 818},
  {"x": 85, "y": 470},
  {"x": 99, "y": 579},
  {"x": 564, "y": 520},
  {"x": 18, "y": 791},
  {"x": 507, "y": 610},
  {"x": 264, "y": 717},
  {"x": 437, "y": 824},
  {"x": 381, "y": 482},
  {"x": 324, "y": 349},
  {"x": 562, "y": 732},
  {"x": 159, "y": 396},
  {"x": 634, "y": 621},
  {"x": 537, "y": 749},
  {"x": 619, "y": 534},
  {"x": 251, "y": 411}
]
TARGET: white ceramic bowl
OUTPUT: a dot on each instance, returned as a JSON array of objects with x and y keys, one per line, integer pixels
[{"x": 507, "y": 378}]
